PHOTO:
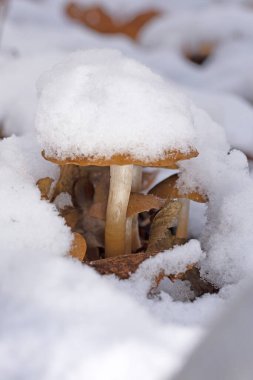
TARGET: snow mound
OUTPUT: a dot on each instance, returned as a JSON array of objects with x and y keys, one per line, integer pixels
[
  {"x": 223, "y": 176},
  {"x": 52, "y": 303},
  {"x": 100, "y": 103}
]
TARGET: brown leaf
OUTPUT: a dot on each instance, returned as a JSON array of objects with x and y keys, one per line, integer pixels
[
  {"x": 44, "y": 185},
  {"x": 99, "y": 20},
  {"x": 141, "y": 202},
  {"x": 168, "y": 189},
  {"x": 121, "y": 266},
  {"x": 199, "y": 285},
  {"x": 160, "y": 236},
  {"x": 68, "y": 175},
  {"x": 83, "y": 193},
  {"x": 137, "y": 203},
  {"x": 71, "y": 216},
  {"x": 78, "y": 248}
]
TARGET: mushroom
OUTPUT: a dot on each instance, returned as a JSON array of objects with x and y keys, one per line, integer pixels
[
  {"x": 167, "y": 189},
  {"x": 100, "y": 108},
  {"x": 125, "y": 176}
]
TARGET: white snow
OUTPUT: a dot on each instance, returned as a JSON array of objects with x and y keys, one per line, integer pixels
[
  {"x": 228, "y": 344},
  {"x": 56, "y": 314},
  {"x": 233, "y": 113},
  {"x": 99, "y": 103},
  {"x": 214, "y": 24},
  {"x": 59, "y": 319}
]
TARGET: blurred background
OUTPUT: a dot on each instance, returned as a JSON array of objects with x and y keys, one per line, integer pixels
[{"x": 206, "y": 46}]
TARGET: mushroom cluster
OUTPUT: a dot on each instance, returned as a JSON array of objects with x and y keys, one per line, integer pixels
[{"x": 101, "y": 112}]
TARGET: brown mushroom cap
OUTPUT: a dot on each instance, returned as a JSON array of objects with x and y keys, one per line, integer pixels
[{"x": 169, "y": 161}]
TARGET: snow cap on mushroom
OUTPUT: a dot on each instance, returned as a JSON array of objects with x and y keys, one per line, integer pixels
[{"x": 99, "y": 104}]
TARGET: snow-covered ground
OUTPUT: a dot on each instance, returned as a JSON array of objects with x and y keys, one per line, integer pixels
[{"x": 59, "y": 319}]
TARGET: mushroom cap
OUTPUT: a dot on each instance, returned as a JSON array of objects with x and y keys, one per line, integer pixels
[
  {"x": 169, "y": 161},
  {"x": 99, "y": 104}
]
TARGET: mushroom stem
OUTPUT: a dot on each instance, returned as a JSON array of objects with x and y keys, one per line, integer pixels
[
  {"x": 183, "y": 219},
  {"x": 132, "y": 228},
  {"x": 136, "y": 187},
  {"x": 115, "y": 225}
]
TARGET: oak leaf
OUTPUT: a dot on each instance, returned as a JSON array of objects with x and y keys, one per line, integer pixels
[
  {"x": 160, "y": 237},
  {"x": 79, "y": 247},
  {"x": 44, "y": 185}
]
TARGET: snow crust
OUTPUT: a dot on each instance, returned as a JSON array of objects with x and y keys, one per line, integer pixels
[{"x": 99, "y": 103}]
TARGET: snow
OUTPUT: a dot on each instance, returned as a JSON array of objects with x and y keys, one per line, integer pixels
[
  {"x": 225, "y": 179},
  {"x": 91, "y": 104},
  {"x": 190, "y": 28},
  {"x": 18, "y": 76},
  {"x": 233, "y": 113},
  {"x": 60, "y": 319},
  {"x": 49, "y": 300},
  {"x": 228, "y": 344}
]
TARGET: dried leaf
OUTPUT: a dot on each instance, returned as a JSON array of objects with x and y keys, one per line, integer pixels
[
  {"x": 121, "y": 266},
  {"x": 160, "y": 236},
  {"x": 68, "y": 175},
  {"x": 83, "y": 193},
  {"x": 44, "y": 185},
  {"x": 168, "y": 189},
  {"x": 141, "y": 202},
  {"x": 79, "y": 247},
  {"x": 98, "y": 19},
  {"x": 198, "y": 285},
  {"x": 71, "y": 216},
  {"x": 137, "y": 203}
]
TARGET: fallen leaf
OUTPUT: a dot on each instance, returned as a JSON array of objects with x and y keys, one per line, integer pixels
[
  {"x": 198, "y": 285},
  {"x": 68, "y": 175},
  {"x": 140, "y": 202},
  {"x": 83, "y": 193},
  {"x": 168, "y": 189},
  {"x": 99, "y": 20},
  {"x": 44, "y": 185},
  {"x": 160, "y": 236},
  {"x": 122, "y": 266},
  {"x": 137, "y": 203},
  {"x": 71, "y": 216},
  {"x": 79, "y": 247}
]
